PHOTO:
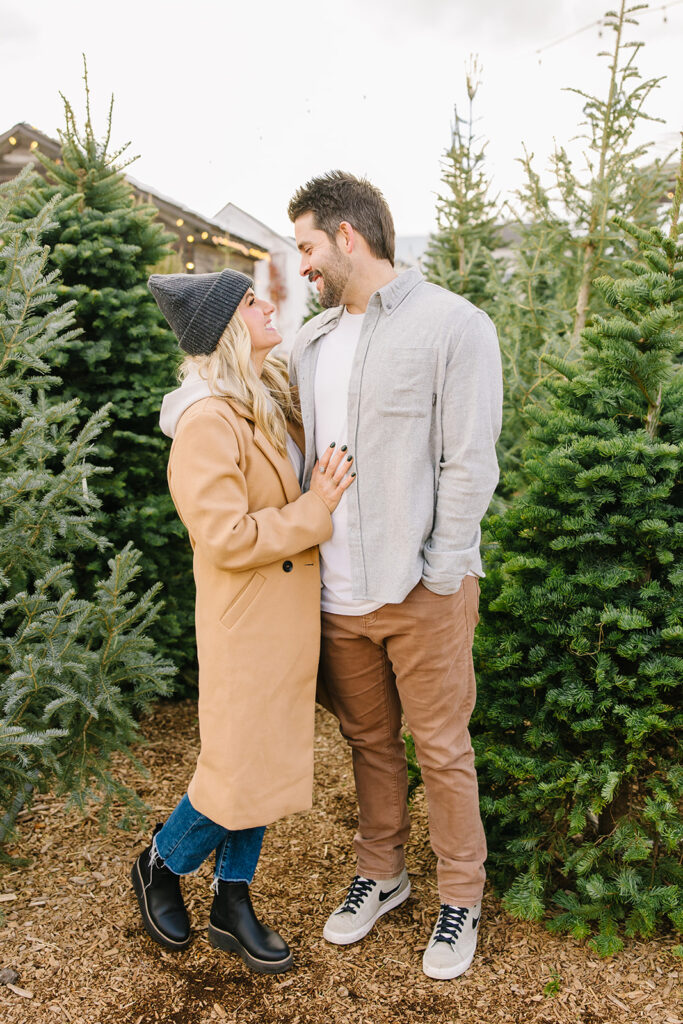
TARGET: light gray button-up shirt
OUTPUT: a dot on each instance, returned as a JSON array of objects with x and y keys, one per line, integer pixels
[{"x": 424, "y": 415}]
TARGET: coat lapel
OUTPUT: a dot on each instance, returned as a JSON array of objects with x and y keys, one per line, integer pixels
[{"x": 281, "y": 464}]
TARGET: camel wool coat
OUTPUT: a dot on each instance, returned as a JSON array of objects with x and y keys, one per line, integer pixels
[{"x": 256, "y": 569}]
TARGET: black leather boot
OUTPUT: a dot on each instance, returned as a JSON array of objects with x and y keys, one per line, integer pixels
[
  {"x": 233, "y": 925},
  {"x": 160, "y": 900}
]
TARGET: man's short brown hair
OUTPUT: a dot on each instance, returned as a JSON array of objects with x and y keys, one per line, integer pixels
[{"x": 337, "y": 196}]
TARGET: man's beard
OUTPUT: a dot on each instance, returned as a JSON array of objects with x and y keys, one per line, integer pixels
[{"x": 335, "y": 278}]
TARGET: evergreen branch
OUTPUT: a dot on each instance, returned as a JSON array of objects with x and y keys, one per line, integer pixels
[
  {"x": 676, "y": 204},
  {"x": 8, "y": 820}
]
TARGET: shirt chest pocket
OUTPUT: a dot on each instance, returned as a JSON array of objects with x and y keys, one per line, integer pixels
[{"x": 408, "y": 385}]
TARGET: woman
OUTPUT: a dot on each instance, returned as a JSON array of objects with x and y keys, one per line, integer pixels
[{"x": 254, "y": 537}]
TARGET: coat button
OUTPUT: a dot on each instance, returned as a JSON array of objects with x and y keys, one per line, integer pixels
[{"x": 288, "y": 566}]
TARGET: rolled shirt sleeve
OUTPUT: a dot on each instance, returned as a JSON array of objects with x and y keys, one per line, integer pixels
[{"x": 471, "y": 415}]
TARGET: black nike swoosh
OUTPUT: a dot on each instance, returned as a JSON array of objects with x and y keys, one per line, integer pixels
[
  {"x": 385, "y": 895},
  {"x": 475, "y": 921}
]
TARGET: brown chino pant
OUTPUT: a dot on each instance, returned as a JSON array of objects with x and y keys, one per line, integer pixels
[{"x": 417, "y": 656}]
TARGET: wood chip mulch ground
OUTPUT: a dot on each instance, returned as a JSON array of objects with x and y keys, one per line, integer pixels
[{"x": 73, "y": 935}]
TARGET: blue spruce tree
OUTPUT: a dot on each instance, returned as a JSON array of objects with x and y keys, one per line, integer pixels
[{"x": 76, "y": 665}]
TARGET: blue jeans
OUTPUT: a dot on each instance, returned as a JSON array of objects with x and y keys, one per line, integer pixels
[{"x": 188, "y": 837}]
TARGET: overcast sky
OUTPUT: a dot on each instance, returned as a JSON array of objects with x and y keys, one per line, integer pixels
[{"x": 242, "y": 102}]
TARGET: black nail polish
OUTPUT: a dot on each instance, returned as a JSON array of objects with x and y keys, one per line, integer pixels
[
  {"x": 343, "y": 447},
  {"x": 352, "y": 475},
  {"x": 349, "y": 458},
  {"x": 332, "y": 444}
]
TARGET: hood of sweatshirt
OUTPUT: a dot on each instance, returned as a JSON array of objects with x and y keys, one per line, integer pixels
[
  {"x": 193, "y": 389},
  {"x": 175, "y": 403}
]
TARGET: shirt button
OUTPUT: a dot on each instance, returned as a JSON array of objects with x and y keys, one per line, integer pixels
[{"x": 288, "y": 566}]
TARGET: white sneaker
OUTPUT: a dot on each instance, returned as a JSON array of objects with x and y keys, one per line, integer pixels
[
  {"x": 453, "y": 942},
  {"x": 365, "y": 901}
]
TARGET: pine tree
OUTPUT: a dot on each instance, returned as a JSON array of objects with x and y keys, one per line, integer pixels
[
  {"x": 565, "y": 233},
  {"x": 104, "y": 243},
  {"x": 460, "y": 252},
  {"x": 75, "y": 668},
  {"x": 579, "y": 656}
]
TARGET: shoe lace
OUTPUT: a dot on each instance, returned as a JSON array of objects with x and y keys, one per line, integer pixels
[
  {"x": 449, "y": 923},
  {"x": 358, "y": 890}
]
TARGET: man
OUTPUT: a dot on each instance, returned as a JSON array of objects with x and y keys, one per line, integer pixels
[{"x": 409, "y": 375}]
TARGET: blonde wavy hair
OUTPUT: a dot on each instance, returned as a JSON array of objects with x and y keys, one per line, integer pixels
[{"x": 230, "y": 373}]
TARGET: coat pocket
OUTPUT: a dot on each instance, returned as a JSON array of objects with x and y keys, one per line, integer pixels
[
  {"x": 409, "y": 384},
  {"x": 238, "y": 606}
]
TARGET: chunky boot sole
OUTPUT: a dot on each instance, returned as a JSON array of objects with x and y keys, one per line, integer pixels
[
  {"x": 345, "y": 939},
  {"x": 150, "y": 927},
  {"x": 227, "y": 942}
]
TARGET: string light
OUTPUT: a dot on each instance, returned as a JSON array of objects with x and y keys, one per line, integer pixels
[
  {"x": 256, "y": 253},
  {"x": 34, "y": 144},
  {"x": 190, "y": 238},
  {"x": 205, "y": 234},
  {"x": 222, "y": 240},
  {"x": 12, "y": 141},
  {"x": 179, "y": 223},
  {"x": 190, "y": 266}
]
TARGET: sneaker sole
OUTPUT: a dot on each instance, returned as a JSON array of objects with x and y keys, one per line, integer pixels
[
  {"x": 446, "y": 973},
  {"x": 150, "y": 927},
  {"x": 345, "y": 939},
  {"x": 229, "y": 943}
]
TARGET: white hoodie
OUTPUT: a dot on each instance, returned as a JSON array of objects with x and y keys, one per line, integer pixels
[{"x": 193, "y": 389}]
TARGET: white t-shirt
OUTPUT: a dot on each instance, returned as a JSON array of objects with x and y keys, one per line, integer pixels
[
  {"x": 332, "y": 376},
  {"x": 295, "y": 457}
]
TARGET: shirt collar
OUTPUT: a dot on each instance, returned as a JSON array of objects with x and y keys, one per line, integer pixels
[{"x": 393, "y": 294}]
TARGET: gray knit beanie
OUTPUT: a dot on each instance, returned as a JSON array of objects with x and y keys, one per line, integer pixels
[{"x": 199, "y": 307}]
